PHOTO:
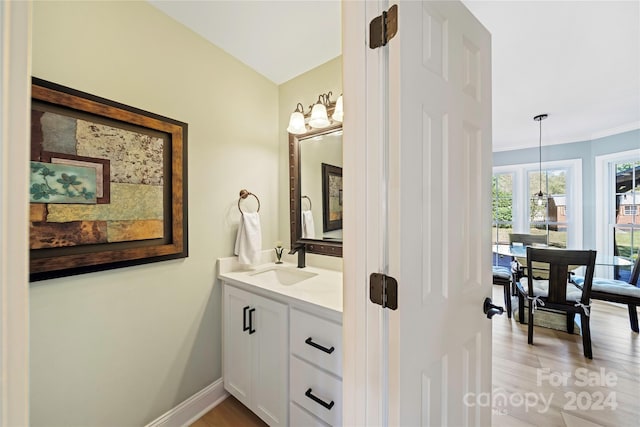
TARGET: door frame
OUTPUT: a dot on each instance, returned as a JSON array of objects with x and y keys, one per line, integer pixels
[
  {"x": 15, "y": 95},
  {"x": 364, "y": 383}
]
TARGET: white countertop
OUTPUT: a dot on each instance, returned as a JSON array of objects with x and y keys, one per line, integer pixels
[{"x": 324, "y": 289}]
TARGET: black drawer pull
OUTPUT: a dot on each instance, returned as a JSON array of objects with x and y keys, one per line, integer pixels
[
  {"x": 251, "y": 330},
  {"x": 318, "y": 400},
  {"x": 244, "y": 319},
  {"x": 318, "y": 346}
]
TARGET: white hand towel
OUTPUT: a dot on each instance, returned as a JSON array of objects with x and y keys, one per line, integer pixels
[
  {"x": 249, "y": 239},
  {"x": 308, "y": 228}
]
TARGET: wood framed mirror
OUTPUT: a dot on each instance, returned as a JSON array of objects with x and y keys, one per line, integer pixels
[{"x": 309, "y": 198}]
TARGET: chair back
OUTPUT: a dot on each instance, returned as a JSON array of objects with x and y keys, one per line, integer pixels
[
  {"x": 635, "y": 273},
  {"x": 527, "y": 239},
  {"x": 558, "y": 262}
]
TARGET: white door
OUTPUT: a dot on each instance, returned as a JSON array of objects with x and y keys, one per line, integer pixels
[{"x": 423, "y": 148}]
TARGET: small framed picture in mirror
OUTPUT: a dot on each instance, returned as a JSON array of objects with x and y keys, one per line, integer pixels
[{"x": 331, "y": 197}]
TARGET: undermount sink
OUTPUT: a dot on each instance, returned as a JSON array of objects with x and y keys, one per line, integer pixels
[{"x": 283, "y": 276}]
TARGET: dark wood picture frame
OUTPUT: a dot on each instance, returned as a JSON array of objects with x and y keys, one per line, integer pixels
[
  {"x": 52, "y": 262},
  {"x": 315, "y": 246},
  {"x": 331, "y": 220}
]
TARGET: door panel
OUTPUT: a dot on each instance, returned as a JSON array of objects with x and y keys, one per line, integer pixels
[
  {"x": 434, "y": 44},
  {"x": 431, "y": 155}
]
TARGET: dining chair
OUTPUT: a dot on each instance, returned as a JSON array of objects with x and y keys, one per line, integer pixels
[
  {"x": 518, "y": 266},
  {"x": 618, "y": 291},
  {"x": 502, "y": 277},
  {"x": 528, "y": 239},
  {"x": 556, "y": 292}
]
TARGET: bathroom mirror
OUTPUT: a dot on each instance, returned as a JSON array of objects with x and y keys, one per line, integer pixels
[{"x": 315, "y": 173}]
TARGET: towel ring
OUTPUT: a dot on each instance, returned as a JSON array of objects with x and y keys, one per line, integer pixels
[
  {"x": 243, "y": 195},
  {"x": 307, "y": 197}
]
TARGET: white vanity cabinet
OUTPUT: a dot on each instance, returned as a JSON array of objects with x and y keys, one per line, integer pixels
[
  {"x": 256, "y": 349},
  {"x": 282, "y": 342}
]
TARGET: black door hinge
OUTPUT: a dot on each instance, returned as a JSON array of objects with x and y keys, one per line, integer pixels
[
  {"x": 383, "y": 290},
  {"x": 382, "y": 28}
]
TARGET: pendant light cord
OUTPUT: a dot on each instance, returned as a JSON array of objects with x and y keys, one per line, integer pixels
[
  {"x": 540, "y": 156},
  {"x": 540, "y": 118}
]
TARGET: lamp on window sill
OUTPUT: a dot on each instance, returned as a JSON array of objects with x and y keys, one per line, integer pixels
[
  {"x": 539, "y": 119},
  {"x": 318, "y": 115}
]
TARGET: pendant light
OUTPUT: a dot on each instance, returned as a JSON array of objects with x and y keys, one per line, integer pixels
[{"x": 539, "y": 119}]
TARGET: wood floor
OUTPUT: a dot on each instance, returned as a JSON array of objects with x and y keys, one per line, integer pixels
[
  {"x": 230, "y": 413},
  {"x": 546, "y": 384},
  {"x": 581, "y": 392}
]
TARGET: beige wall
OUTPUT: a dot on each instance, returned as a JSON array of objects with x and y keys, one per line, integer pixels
[
  {"x": 119, "y": 348},
  {"x": 304, "y": 89}
]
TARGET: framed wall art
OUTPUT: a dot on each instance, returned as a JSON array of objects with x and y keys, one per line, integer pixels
[
  {"x": 108, "y": 184},
  {"x": 331, "y": 197}
]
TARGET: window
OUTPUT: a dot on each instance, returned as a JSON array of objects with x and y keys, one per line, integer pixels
[
  {"x": 502, "y": 187},
  {"x": 549, "y": 217},
  {"x": 559, "y": 216},
  {"x": 618, "y": 216},
  {"x": 626, "y": 237}
]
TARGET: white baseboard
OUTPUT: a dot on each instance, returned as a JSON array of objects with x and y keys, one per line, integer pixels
[{"x": 193, "y": 408}]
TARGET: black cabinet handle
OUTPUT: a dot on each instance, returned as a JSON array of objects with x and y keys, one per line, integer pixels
[
  {"x": 318, "y": 346},
  {"x": 244, "y": 319},
  {"x": 251, "y": 330},
  {"x": 318, "y": 400}
]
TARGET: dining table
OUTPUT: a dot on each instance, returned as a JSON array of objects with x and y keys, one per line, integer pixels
[{"x": 520, "y": 251}]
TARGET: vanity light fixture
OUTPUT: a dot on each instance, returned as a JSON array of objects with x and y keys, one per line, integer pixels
[
  {"x": 338, "y": 112},
  {"x": 318, "y": 116},
  {"x": 539, "y": 119},
  {"x": 296, "y": 122}
]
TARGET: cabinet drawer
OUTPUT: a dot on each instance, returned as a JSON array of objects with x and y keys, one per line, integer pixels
[
  {"x": 317, "y": 340},
  {"x": 298, "y": 417},
  {"x": 316, "y": 391}
]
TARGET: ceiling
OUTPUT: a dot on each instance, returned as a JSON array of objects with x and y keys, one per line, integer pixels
[
  {"x": 577, "y": 61},
  {"x": 278, "y": 39}
]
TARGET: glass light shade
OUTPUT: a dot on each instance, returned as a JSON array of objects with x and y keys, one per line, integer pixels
[
  {"x": 319, "y": 118},
  {"x": 296, "y": 124},
  {"x": 540, "y": 198},
  {"x": 338, "y": 113}
]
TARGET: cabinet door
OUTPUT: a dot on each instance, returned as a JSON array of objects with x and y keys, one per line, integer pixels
[
  {"x": 270, "y": 360},
  {"x": 237, "y": 344}
]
